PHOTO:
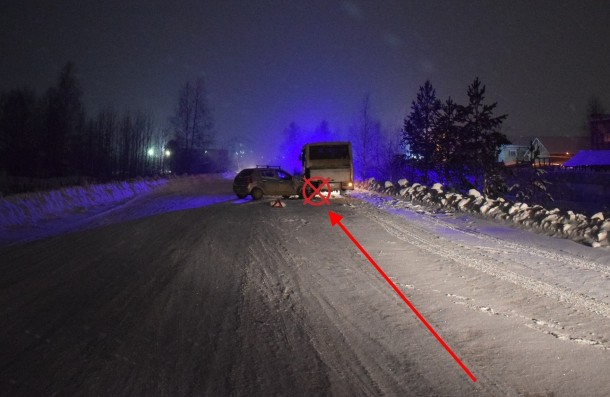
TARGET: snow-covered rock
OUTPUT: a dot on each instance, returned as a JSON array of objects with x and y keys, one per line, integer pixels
[
  {"x": 571, "y": 215},
  {"x": 403, "y": 182},
  {"x": 485, "y": 208},
  {"x": 551, "y": 218},
  {"x": 598, "y": 215},
  {"x": 593, "y": 231},
  {"x": 514, "y": 209},
  {"x": 463, "y": 203},
  {"x": 474, "y": 193}
]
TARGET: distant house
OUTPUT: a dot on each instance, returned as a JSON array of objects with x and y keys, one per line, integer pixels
[
  {"x": 521, "y": 152},
  {"x": 562, "y": 148},
  {"x": 599, "y": 126},
  {"x": 512, "y": 154},
  {"x": 590, "y": 159}
]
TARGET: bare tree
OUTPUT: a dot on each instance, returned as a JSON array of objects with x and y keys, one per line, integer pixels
[
  {"x": 192, "y": 122},
  {"x": 64, "y": 124},
  {"x": 367, "y": 136}
]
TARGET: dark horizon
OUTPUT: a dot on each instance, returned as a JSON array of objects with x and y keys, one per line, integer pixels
[{"x": 269, "y": 64}]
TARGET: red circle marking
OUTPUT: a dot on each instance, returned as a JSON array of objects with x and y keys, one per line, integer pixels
[{"x": 317, "y": 191}]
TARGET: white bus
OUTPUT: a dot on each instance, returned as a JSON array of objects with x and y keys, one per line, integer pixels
[{"x": 332, "y": 160}]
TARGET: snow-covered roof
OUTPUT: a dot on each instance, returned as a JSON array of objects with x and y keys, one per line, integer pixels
[{"x": 589, "y": 158}]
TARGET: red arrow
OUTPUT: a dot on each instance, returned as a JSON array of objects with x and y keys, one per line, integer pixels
[{"x": 335, "y": 219}]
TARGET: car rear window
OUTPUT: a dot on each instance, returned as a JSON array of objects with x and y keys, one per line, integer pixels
[{"x": 244, "y": 173}]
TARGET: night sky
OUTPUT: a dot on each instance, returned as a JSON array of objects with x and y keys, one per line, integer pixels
[{"x": 267, "y": 63}]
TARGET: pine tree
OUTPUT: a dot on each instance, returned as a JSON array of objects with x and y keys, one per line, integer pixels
[
  {"x": 482, "y": 138},
  {"x": 448, "y": 154},
  {"x": 419, "y": 134}
]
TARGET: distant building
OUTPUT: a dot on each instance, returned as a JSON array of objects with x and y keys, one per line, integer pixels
[
  {"x": 599, "y": 126},
  {"x": 562, "y": 148},
  {"x": 598, "y": 160},
  {"x": 524, "y": 152}
]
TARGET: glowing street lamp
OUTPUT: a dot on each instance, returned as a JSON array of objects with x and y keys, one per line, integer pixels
[{"x": 151, "y": 152}]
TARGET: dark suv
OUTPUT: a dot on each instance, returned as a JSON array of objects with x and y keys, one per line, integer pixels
[{"x": 266, "y": 180}]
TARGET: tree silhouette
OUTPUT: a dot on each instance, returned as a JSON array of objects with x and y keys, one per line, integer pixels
[
  {"x": 448, "y": 155},
  {"x": 19, "y": 141},
  {"x": 293, "y": 139},
  {"x": 419, "y": 135},
  {"x": 367, "y": 140},
  {"x": 481, "y": 138},
  {"x": 192, "y": 123},
  {"x": 64, "y": 123}
]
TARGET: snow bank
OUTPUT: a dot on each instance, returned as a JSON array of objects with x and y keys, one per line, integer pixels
[
  {"x": 593, "y": 231},
  {"x": 29, "y": 208}
]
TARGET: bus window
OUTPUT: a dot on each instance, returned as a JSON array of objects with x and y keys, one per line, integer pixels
[{"x": 328, "y": 152}]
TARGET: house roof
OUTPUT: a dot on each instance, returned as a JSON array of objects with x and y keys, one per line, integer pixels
[
  {"x": 522, "y": 140},
  {"x": 556, "y": 144},
  {"x": 562, "y": 144},
  {"x": 589, "y": 158}
]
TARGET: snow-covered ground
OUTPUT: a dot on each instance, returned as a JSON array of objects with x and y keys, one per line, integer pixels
[
  {"x": 31, "y": 216},
  {"x": 185, "y": 290}
]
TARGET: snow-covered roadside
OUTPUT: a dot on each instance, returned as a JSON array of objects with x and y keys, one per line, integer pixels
[
  {"x": 593, "y": 231},
  {"x": 31, "y": 216},
  {"x": 30, "y": 208}
]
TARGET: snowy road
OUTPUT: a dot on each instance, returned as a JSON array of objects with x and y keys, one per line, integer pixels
[{"x": 241, "y": 299}]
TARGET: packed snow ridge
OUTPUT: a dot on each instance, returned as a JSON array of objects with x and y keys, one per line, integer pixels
[
  {"x": 593, "y": 231},
  {"x": 30, "y": 208}
]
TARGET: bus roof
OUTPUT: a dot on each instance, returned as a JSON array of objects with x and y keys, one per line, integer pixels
[{"x": 327, "y": 143}]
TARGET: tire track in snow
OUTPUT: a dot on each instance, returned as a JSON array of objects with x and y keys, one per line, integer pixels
[
  {"x": 491, "y": 266},
  {"x": 361, "y": 359},
  {"x": 529, "y": 250},
  {"x": 381, "y": 202},
  {"x": 271, "y": 253}
]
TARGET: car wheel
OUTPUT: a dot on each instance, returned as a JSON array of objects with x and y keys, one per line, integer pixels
[
  {"x": 257, "y": 194},
  {"x": 241, "y": 196}
]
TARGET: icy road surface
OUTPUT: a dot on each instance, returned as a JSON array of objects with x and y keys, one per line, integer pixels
[{"x": 238, "y": 298}]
